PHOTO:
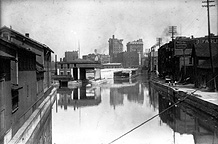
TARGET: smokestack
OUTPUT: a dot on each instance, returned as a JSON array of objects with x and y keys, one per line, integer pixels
[
  {"x": 95, "y": 51},
  {"x": 27, "y": 34}
]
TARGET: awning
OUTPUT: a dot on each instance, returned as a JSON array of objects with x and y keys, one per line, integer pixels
[
  {"x": 6, "y": 55},
  {"x": 16, "y": 87}
]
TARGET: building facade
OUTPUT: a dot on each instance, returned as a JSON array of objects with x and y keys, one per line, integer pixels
[
  {"x": 135, "y": 46},
  {"x": 128, "y": 59},
  {"x": 184, "y": 59},
  {"x": 75, "y": 70},
  {"x": 202, "y": 63},
  {"x": 71, "y": 55},
  {"x": 115, "y": 47},
  {"x": 24, "y": 79}
]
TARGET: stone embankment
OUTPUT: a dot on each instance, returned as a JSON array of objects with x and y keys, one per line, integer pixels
[{"x": 192, "y": 99}]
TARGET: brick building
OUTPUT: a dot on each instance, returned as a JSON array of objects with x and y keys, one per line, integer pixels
[
  {"x": 71, "y": 55},
  {"x": 128, "y": 59},
  {"x": 115, "y": 47},
  {"x": 135, "y": 46}
]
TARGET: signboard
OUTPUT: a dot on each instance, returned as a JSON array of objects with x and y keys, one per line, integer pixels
[
  {"x": 181, "y": 52},
  {"x": 180, "y": 45}
]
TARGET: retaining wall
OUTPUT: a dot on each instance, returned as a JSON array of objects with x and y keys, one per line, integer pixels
[{"x": 191, "y": 100}]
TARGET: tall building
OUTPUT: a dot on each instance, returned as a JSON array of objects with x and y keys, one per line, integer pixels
[
  {"x": 128, "y": 59},
  {"x": 135, "y": 46},
  {"x": 71, "y": 55},
  {"x": 115, "y": 46}
]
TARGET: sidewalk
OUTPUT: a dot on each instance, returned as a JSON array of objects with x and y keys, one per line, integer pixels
[{"x": 211, "y": 97}]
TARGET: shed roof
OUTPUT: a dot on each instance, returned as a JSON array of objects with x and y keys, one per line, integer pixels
[
  {"x": 12, "y": 45},
  {"x": 30, "y": 39}
]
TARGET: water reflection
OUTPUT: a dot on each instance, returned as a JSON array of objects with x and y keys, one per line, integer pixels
[
  {"x": 101, "y": 114},
  {"x": 184, "y": 119},
  {"x": 132, "y": 90},
  {"x": 84, "y": 96}
]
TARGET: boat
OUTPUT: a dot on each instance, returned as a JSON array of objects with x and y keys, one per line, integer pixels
[{"x": 126, "y": 75}]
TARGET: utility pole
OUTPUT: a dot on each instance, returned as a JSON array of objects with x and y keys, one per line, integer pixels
[
  {"x": 159, "y": 41},
  {"x": 172, "y": 30},
  {"x": 209, "y": 39}
]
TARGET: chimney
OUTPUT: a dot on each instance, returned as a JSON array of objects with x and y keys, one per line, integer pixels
[
  {"x": 60, "y": 59},
  {"x": 27, "y": 34},
  {"x": 113, "y": 36}
]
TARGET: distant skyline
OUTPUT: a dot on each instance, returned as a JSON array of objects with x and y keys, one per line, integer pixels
[{"x": 65, "y": 25}]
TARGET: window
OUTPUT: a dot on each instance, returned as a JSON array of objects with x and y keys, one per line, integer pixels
[
  {"x": 26, "y": 61},
  {"x": 28, "y": 90},
  {"x": 190, "y": 60},
  {"x": 61, "y": 66},
  {"x": 5, "y": 71},
  {"x": 68, "y": 73},
  {"x": 68, "y": 66},
  {"x": 15, "y": 100},
  {"x": 62, "y": 73},
  {"x": 2, "y": 120},
  {"x": 5, "y": 36}
]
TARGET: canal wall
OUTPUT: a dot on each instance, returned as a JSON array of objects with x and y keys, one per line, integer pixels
[
  {"x": 192, "y": 100},
  {"x": 27, "y": 133}
]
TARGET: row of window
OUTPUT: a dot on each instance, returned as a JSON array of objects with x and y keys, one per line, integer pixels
[
  {"x": 65, "y": 66},
  {"x": 62, "y": 73}
]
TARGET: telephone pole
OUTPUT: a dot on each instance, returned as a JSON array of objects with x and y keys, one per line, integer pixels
[
  {"x": 172, "y": 30},
  {"x": 208, "y": 5},
  {"x": 159, "y": 41}
]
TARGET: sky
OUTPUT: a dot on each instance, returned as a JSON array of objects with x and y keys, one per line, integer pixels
[{"x": 66, "y": 25}]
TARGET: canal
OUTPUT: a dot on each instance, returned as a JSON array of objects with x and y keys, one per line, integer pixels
[{"x": 101, "y": 114}]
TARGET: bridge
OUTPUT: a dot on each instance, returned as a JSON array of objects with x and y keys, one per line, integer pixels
[{"x": 75, "y": 70}]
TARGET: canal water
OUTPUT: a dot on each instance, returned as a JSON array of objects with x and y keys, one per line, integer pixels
[{"x": 101, "y": 114}]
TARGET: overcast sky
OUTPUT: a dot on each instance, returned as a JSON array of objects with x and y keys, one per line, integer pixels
[{"x": 64, "y": 24}]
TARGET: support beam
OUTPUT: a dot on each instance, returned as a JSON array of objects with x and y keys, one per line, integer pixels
[
  {"x": 78, "y": 73},
  {"x": 97, "y": 74}
]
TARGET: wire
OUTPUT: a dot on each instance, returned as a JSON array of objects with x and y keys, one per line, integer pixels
[{"x": 179, "y": 101}]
